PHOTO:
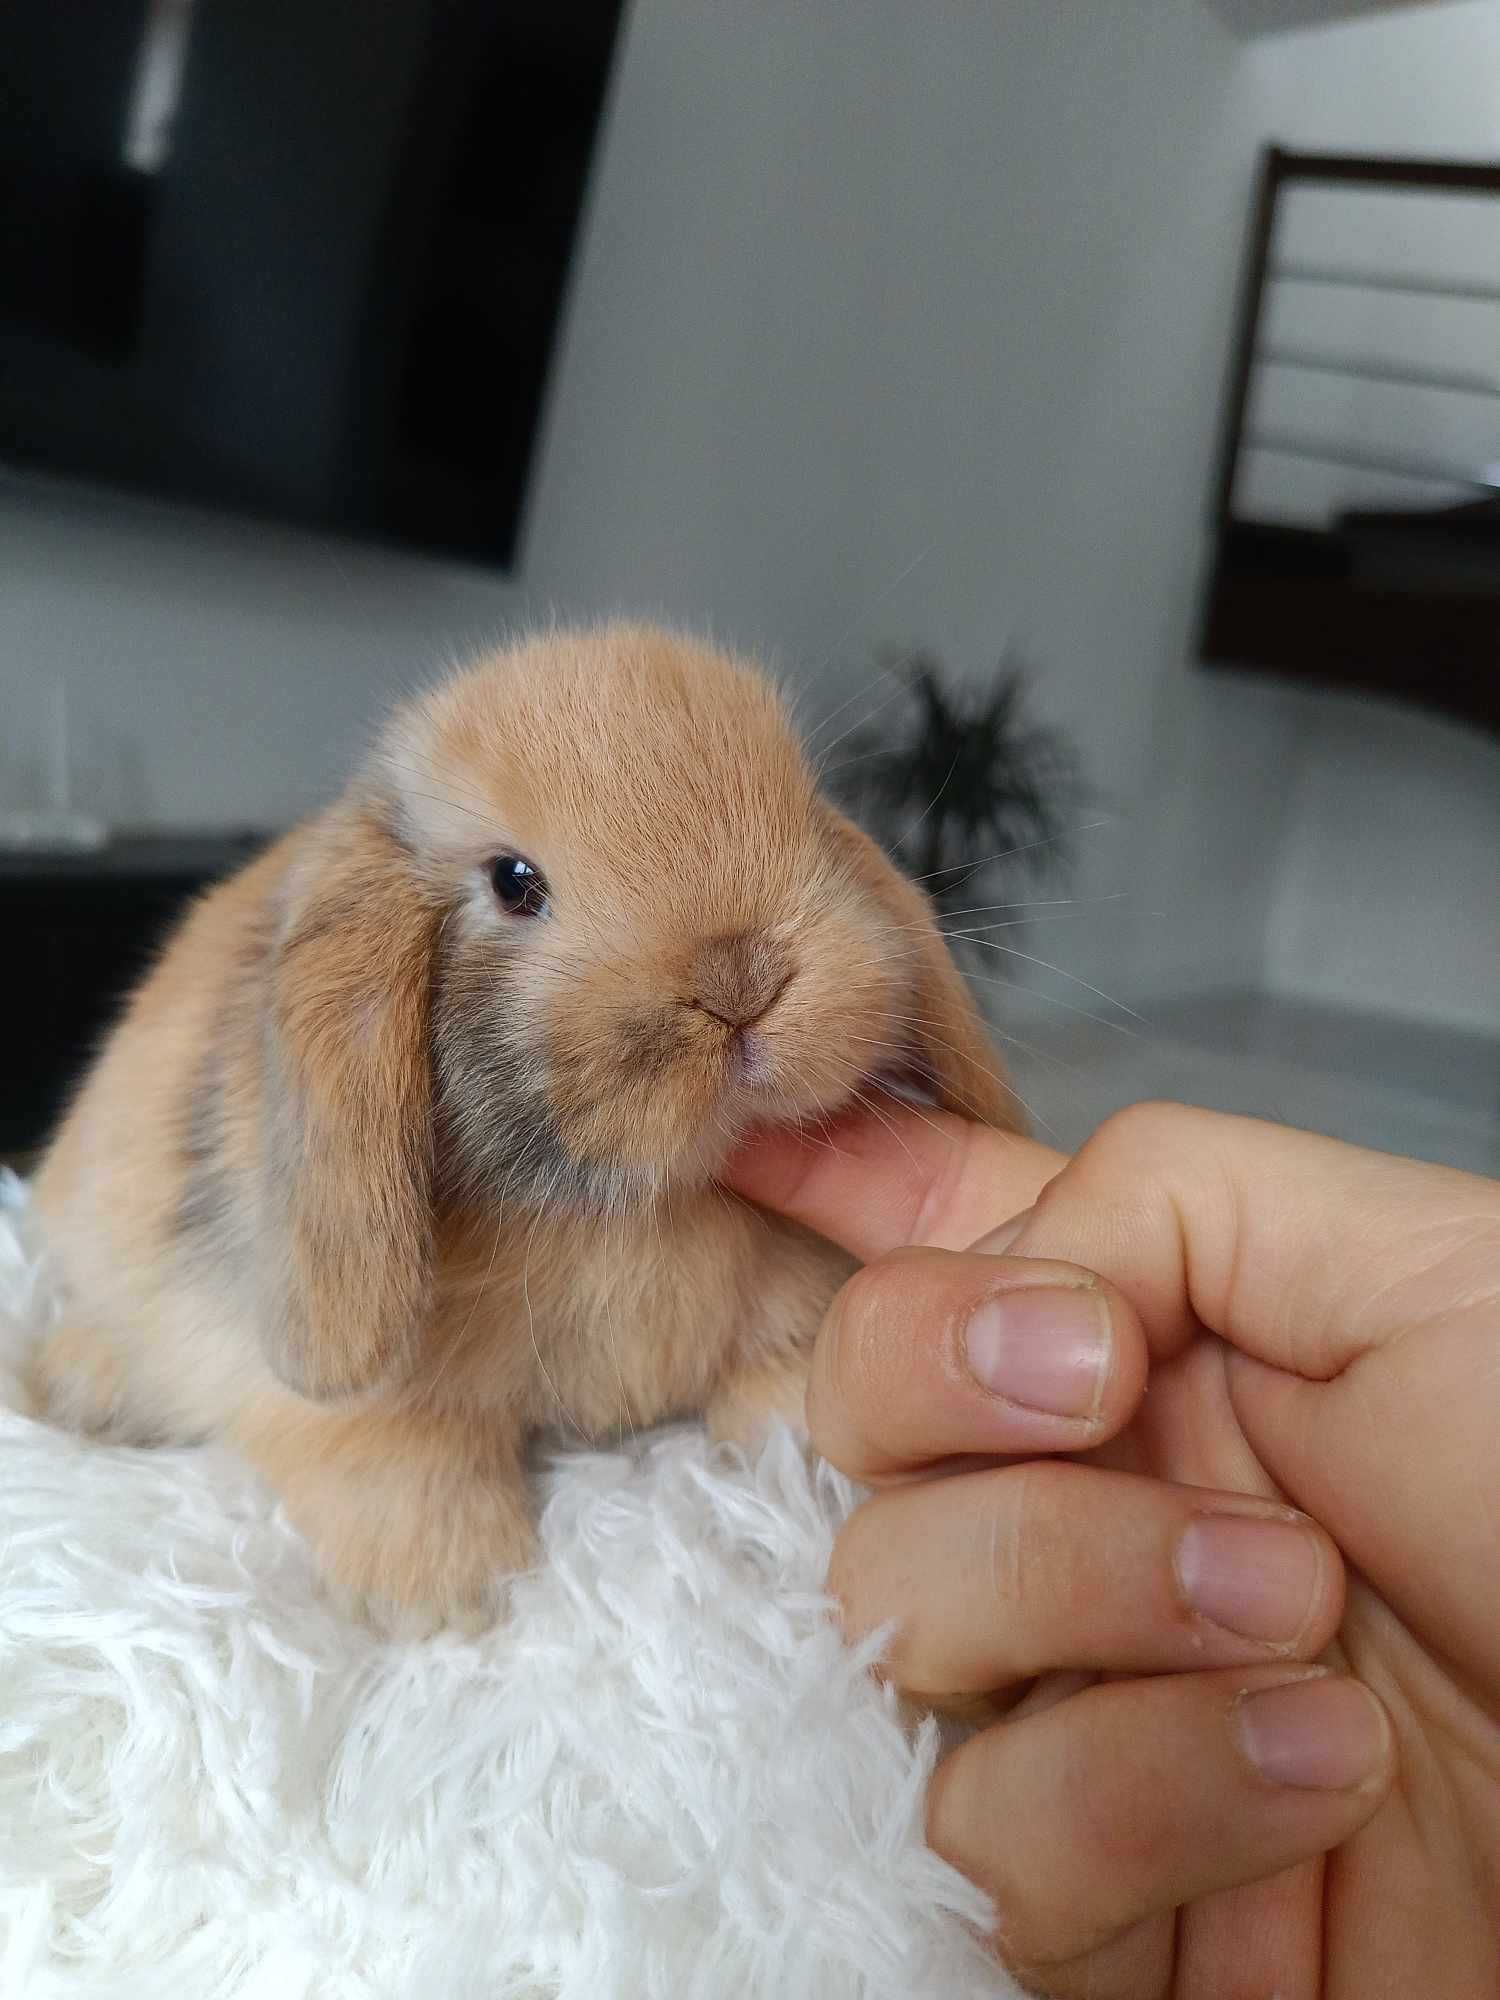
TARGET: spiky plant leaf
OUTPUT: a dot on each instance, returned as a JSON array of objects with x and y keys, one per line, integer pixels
[{"x": 963, "y": 789}]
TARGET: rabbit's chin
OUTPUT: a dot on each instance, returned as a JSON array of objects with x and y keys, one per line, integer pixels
[
  {"x": 520, "y": 1162},
  {"x": 509, "y": 1140}
]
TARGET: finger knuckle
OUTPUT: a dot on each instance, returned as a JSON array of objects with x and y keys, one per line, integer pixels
[
  {"x": 1143, "y": 1130},
  {"x": 856, "y": 1550},
  {"x": 855, "y": 1360},
  {"x": 1033, "y": 1932},
  {"x": 1020, "y": 1504}
]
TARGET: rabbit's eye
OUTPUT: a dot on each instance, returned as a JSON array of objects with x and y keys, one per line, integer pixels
[{"x": 518, "y": 886}]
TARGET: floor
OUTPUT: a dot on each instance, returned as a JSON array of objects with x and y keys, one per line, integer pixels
[{"x": 1373, "y": 1079}]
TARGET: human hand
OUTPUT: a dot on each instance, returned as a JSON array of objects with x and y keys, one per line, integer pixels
[{"x": 1180, "y": 1805}]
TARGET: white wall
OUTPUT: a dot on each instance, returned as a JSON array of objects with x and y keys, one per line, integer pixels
[
  {"x": 1264, "y": 17},
  {"x": 1386, "y": 894},
  {"x": 1389, "y": 889},
  {"x": 952, "y": 287}
]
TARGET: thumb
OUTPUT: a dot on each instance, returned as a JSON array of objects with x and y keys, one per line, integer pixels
[
  {"x": 883, "y": 1178},
  {"x": 1301, "y": 1251}
]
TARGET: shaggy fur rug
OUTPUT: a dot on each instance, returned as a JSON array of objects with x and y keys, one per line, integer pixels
[{"x": 663, "y": 1779}]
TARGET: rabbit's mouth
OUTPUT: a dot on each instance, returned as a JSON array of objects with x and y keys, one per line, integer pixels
[
  {"x": 903, "y": 1078},
  {"x": 876, "y": 1095}
]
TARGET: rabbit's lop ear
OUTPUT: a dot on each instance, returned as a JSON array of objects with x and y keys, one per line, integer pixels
[
  {"x": 956, "y": 1057},
  {"x": 346, "y": 1248}
]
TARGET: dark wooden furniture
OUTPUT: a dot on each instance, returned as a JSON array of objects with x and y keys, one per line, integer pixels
[
  {"x": 1399, "y": 603},
  {"x": 80, "y": 929}
]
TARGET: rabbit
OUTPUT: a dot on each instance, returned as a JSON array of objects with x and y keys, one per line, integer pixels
[{"x": 406, "y": 1147}]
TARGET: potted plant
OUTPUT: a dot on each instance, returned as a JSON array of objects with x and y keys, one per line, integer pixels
[{"x": 962, "y": 787}]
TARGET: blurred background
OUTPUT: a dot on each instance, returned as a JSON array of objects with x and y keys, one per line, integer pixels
[{"x": 1138, "y": 363}]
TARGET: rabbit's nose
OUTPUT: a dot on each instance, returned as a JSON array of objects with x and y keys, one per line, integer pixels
[{"x": 737, "y": 977}]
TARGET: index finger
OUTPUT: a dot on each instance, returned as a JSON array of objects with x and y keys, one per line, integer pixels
[{"x": 875, "y": 1182}]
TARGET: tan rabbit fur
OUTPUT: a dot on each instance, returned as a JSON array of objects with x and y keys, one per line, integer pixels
[{"x": 378, "y": 1175}]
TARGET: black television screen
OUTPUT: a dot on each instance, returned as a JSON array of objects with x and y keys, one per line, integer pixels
[{"x": 296, "y": 258}]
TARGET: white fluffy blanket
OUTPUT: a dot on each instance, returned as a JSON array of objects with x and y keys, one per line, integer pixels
[{"x": 664, "y": 1778}]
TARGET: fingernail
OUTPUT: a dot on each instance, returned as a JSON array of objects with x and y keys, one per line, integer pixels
[
  {"x": 1324, "y": 1735},
  {"x": 1047, "y": 1347},
  {"x": 1255, "y": 1577}
]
